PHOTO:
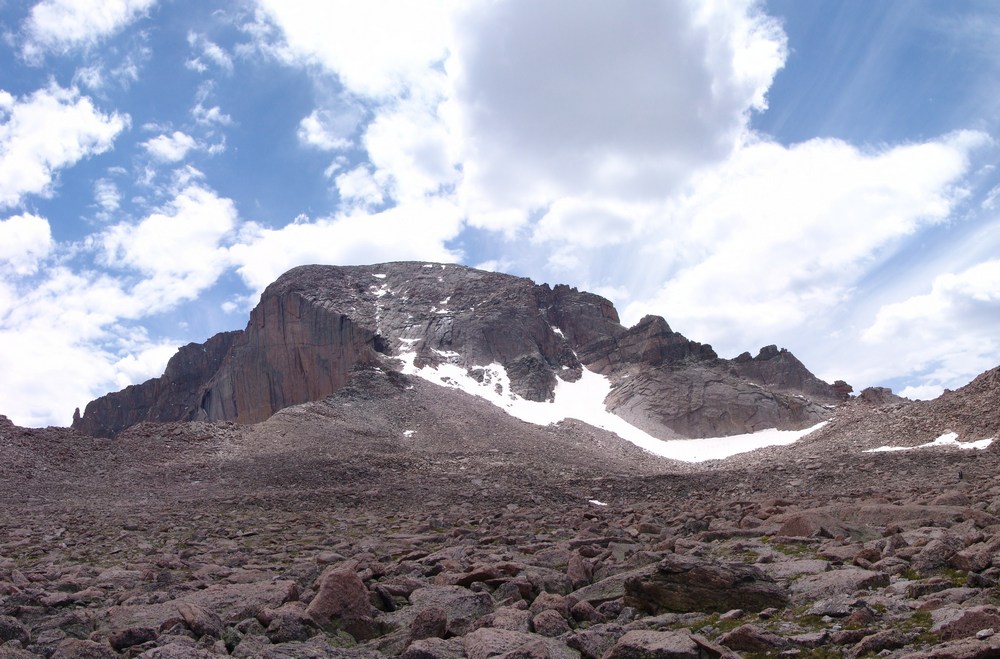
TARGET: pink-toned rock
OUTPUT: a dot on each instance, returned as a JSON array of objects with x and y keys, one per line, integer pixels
[
  {"x": 837, "y": 582},
  {"x": 751, "y": 638},
  {"x": 430, "y": 622},
  {"x": 974, "y": 558},
  {"x": 549, "y": 623},
  {"x": 550, "y": 601},
  {"x": 509, "y": 617},
  {"x": 486, "y": 642},
  {"x": 342, "y": 602},
  {"x": 659, "y": 645},
  {"x": 199, "y": 620},
  {"x": 953, "y": 622},
  {"x": 811, "y": 524},
  {"x": 579, "y": 571},
  {"x": 75, "y": 648}
]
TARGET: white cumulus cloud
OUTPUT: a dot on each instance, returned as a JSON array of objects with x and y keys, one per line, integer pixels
[
  {"x": 61, "y": 25},
  {"x": 170, "y": 148},
  {"x": 52, "y": 128},
  {"x": 179, "y": 249},
  {"x": 416, "y": 232}
]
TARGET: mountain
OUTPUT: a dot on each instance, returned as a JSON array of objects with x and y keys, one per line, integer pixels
[{"x": 316, "y": 325}]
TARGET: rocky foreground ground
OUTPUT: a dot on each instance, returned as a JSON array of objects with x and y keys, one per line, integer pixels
[{"x": 396, "y": 519}]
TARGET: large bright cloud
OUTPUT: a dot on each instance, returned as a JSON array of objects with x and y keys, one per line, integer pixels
[
  {"x": 623, "y": 101},
  {"x": 378, "y": 48},
  {"x": 61, "y": 25},
  {"x": 179, "y": 249},
  {"x": 74, "y": 335},
  {"x": 52, "y": 128},
  {"x": 772, "y": 244}
]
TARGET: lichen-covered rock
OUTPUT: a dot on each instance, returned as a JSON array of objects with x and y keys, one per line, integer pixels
[{"x": 682, "y": 583}]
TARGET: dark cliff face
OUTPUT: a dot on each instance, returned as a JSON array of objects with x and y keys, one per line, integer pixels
[
  {"x": 174, "y": 396},
  {"x": 317, "y": 324}
]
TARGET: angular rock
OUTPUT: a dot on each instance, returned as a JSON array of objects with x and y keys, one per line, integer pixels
[
  {"x": 549, "y": 623},
  {"x": 752, "y": 638},
  {"x": 811, "y": 524},
  {"x": 430, "y": 622},
  {"x": 462, "y": 606},
  {"x": 887, "y": 639},
  {"x": 199, "y": 620},
  {"x": 655, "y": 645},
  {"x": 937, "y": 553},
  {"x": 954, "y": 622}
]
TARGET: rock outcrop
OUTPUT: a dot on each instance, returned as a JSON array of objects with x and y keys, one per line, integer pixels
[{"x": 316, "y": 325}]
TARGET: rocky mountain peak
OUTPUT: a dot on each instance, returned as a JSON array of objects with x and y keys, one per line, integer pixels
[{"x": 316, "y": 324}]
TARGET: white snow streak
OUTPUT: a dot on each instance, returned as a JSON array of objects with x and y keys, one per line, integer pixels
[
  {"x": 584, "y": 400},
  {"x": 947, "y": 439}
]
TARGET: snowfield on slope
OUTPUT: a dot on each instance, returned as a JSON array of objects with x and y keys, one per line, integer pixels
[
  {"x": 947, "y": 439},
  {"x": 584, "y": 400}
]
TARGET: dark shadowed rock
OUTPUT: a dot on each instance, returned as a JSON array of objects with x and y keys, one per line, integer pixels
[
  {"x": 681, "y": 584},
  {"x": 126, "y": 638},
  {"x": 174, "y": 396},
  {"x": 11, "y": 629}
]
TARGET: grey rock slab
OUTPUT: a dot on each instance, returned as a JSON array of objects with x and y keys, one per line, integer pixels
[
  {"x": 792, "y": 569},
  {"x": 837, "y": 582}
]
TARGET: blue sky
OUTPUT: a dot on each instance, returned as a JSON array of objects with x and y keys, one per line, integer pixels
[{"x": 819, "y": 175}]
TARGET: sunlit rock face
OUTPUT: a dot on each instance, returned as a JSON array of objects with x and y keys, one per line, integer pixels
[{"x": 316, "y": 324}]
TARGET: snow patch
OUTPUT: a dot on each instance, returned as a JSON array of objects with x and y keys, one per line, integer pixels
[
  {"x": 947, "y": 439},
  {"x": 557, "y": 331},
  {"x": 584, "y": 400},
  {"x": 428, "y": 265},
  {"x": 409, "y": 433},
  {"x": 378, "y": 276},
  {"x": 597, "y": 503}
]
